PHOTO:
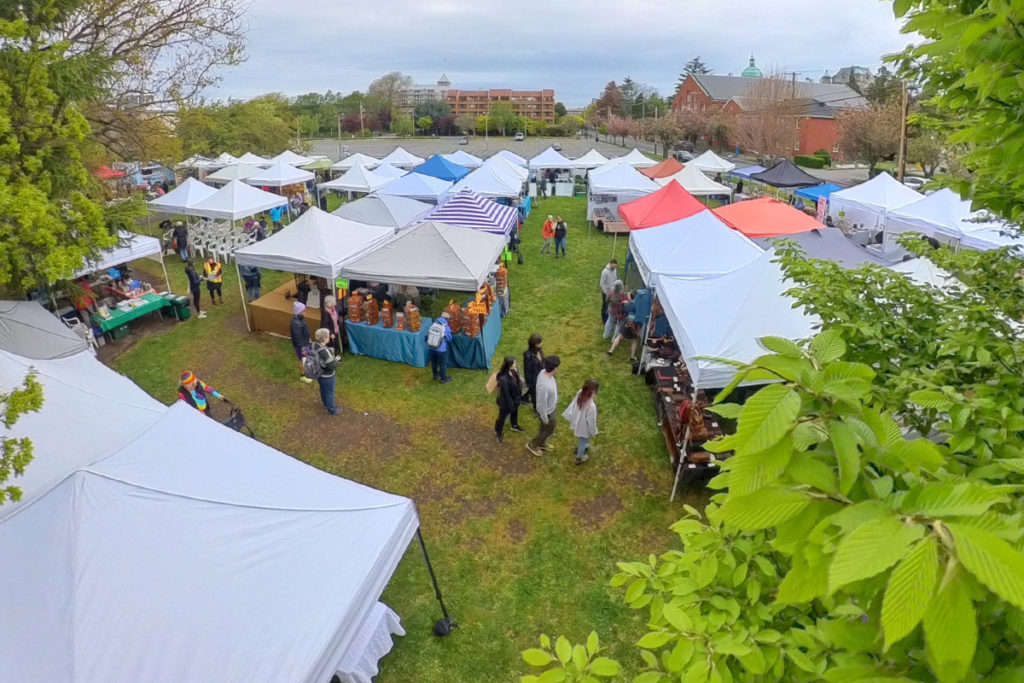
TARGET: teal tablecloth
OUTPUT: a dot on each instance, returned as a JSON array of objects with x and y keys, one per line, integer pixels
[
  {"x": 475, "y": 353},
  {"x": 152, "y": 302},
  {"x": 400, "y": 346}
]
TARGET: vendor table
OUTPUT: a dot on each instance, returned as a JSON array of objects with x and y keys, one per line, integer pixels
[
  {"x": 474, "y": 353},
  {"x": 272, "y": 312},
  {"x": 150, "y": 302},
  {"x": 400, "y": 346}
]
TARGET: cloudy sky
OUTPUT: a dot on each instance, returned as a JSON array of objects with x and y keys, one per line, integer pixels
[{"x": 574, "y": 47}]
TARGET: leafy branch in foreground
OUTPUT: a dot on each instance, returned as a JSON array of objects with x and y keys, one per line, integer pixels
[{"x": 16, "y": 454}]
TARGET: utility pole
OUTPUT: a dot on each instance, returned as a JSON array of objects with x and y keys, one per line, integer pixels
[
  {"x": 901, "y": 166},
  {"x": 361, "y": 132},
  {"x": 339, "y": 135}
]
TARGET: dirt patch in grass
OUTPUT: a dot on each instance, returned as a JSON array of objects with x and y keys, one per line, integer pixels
[
  {"x": 517, "y": 531},
  {"x": 352, "y": 433},
  {"x": 475, "y": 444},
  {"x": 596, "y": 513},
  {"x": 140, "y": 329}
]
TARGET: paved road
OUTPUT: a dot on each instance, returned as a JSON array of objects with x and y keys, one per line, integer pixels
[{"x": 424, "y": 147}]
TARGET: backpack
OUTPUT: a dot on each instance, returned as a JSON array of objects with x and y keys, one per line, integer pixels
[
  {"x": 311, "y": 364},
  {"x": 435, "y": 336}
]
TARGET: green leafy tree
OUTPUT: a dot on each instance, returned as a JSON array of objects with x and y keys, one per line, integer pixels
[
  {"x": 885, "y": 88},
  {"x": 467, "y": 123},
  {"x": 560, "y": 110},
  {"x": 401, "y": 124},
  {"x": 570, "y": 123},
  {"x": 424, "y": 123},
  {"x": 695, "y": 67},
  {"x": 15, "y": 453},
  {"x": 926, "y": 150},
  {"x": 969, "y": 62},
  {"x": 502, "y": 117},
  {"x": 435, "y": 109},
  {"x": 262, "y": 125},
  {"x": 611, "y": 103}
]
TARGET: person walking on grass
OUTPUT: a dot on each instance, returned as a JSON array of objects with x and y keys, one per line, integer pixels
[
  {"x": 299, "y": 332},
  {"x": 214, "y": 272},
  {"x": 196, "y": 392},
  {"x": 509, "y": 397},
  {"x": 628, "y": 330},
  {"x": 561, "y": 232},
  {"x": 195, "y": 287},
  {"x": 582, "y": 416},
  {"x": 616, "y": 298},
  {"x": 328, "y": 369},
  {"x": 547, "y": 406},
  {"x": 548, "y": 233},
  {"x": 181, "y": 240},
  {"x": 252, "y": 278},
  {"x": 276, "y": 216},
  {"x": 608, "y": 278},
  {"x": 533, "y": 365},
  {"x": 437, "y": 342}
]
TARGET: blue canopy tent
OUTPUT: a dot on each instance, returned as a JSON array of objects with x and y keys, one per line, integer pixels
[
  {"x": 470, "y": 210},
  {"x": 812, "y": 193},
  {"x": 439, "y": 167}
]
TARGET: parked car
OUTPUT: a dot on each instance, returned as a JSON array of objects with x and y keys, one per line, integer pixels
[
  {"x": 683, "y": 156},
  {"x": 520, "y": 137},
  {"x": 914, "y": 182},
  {"x": 463, "y": 140},
  {"x": 557, "y": 147}
]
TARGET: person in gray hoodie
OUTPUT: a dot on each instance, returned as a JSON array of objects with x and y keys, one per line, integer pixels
[{"x": 547, "y": 406}]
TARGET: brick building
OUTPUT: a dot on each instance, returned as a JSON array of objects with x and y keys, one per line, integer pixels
[
  {"x": 538, "y": 105},
  {"x": 813, "y": 105}
]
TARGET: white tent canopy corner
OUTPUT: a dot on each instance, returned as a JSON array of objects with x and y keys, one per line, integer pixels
[
  {"x": 182, "y": 198},
  {"x": 352, "y": 159},
  {"x": 868, "y": 203},
  {"x": 401, "y": 158},
  {"x": 356, "y": 179},
  {"x": 695, "y": 182},
  {"x": 550, "y": 158},
  {"x": 236, "y": 200},
  {"x": 291, "y": 158},
  {"x": 709, "y": 162},
  {"x": 279, "y": 174}
]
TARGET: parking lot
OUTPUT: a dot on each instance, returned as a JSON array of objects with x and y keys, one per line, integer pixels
[{"x": 479, "y": 146}]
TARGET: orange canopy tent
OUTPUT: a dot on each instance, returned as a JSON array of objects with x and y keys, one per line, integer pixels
[
  {"x": 666, "y": 168},
  {"x": 765, "y": 217},
  {"x": 107, "y": 173},
  {"x": 670, "y": 203}
]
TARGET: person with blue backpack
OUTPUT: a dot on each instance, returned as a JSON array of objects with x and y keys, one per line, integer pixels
[{"x": 438, "y": 336}]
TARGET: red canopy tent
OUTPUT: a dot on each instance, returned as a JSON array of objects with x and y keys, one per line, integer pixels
[
  {"x": 670, "y": 203},
  {"x": 666, "y": 168},
  {"x": 766, "y": 217},
  {"x": 106, "y": 173}
]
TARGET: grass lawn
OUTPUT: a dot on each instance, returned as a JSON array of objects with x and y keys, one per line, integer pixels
[{"x": 521, "y": 545}]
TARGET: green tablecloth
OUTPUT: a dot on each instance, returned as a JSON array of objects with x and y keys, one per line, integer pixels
[{"x": 152, "y": 302}]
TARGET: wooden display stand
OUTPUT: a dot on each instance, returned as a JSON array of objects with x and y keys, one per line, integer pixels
[{"x": 272, "y": 312}]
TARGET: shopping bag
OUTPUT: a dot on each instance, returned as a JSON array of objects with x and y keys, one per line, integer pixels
[{"x": 492, "y": 383}]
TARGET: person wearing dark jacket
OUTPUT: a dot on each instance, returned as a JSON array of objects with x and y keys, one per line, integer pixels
[
  {"x": 252, "y": 277},
  {"x": 509, "y": 396},
  {"x": 533, "y": 363},
  {"x": 196, "y": 392},
  {"x": 181, "y": 240},
  {"x": 328, "y": 369},
  {"x": 333, "y": 321},
  {"x": 300, "y": 336},
  {"x": 195, "y": 287}
]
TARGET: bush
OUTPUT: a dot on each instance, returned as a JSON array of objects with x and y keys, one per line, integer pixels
[
  {"x": 824, "y": 154},
  {"x": 809, "y": 161}
]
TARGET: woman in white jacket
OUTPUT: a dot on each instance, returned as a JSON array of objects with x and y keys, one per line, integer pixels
[{"x": 582, "y": 417}]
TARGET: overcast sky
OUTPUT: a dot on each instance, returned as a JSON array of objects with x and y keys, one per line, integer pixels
[{"x": 574, "y": 47}]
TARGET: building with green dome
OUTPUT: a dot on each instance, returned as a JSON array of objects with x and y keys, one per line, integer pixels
[{"x": 752, "y": 71}]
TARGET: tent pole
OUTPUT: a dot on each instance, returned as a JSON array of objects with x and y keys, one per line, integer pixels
[
  {"x": 447, "y": 620},
  {"x": 686, "y": 442},
  {"x": 163, "y": 265},
  {"x": 241, "y": 290}
]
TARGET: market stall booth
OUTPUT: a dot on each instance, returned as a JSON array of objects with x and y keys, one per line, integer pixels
[
  {"x": 470, "y": 210},
  {"x": 613, "y": 185},
  {"x": 384, "y": 209},
  {"x": 591, "y": 159},
  {"x": 924, "y": 272},
  {"x": 432, "y": 255},
  {"x": 867, "y": 205},
  {"x": 663, "y": 169},
  {"x": 254, "y": 159},
  {"x": 231, "y": 172},
  {"x": 389, "y": 171},
  {"x": 817, "y": 191},
  {"x": 670, "y": 203},
  {"x": 709, "y": 162},
  {"x": 401, "y": 158},
  {"x": 132, "y": 556},
  {"x": 829, "y": 244},
  {"x": 280, "y": 174},
  {"x": 488, "y": 181},
  {"x": 364, "y": 160},
  {"x": 766, "y": 217},
  {"x": 786, "y": 174},
  {"x": 416, "y": 186},
  {"x": 290, "y": 158},
  {"x": 463, "y": 158},
  {"x": 696, "y": 183},
  {"x": 510, "y": 157},
  {"x": 439, "y": 167},
  {"x": 182, "y": 198},
  {"x": 356, "y": 179},
  {"x": 550, "y": 158},
  {"x": 316, "y": 245},
  {"x": 747, "y": 171},
  {"x": 636, "y": 159}
]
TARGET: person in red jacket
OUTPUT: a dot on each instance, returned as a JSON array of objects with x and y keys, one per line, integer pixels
[{"x": 548, "y": 233}]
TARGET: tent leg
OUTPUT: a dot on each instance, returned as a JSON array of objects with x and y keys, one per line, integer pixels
[
  {"x": 682, "y": 454},
  {"x": 443, "y": 626},
  {"x": 167, "y": 280},
  {"x": 241, "y": 290}
]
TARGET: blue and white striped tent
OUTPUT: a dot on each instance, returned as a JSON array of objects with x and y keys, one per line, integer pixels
[{"x": 470, "y": 210}]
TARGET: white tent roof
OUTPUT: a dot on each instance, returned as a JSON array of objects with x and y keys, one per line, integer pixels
[
  {"x": 291, "y": 158},
  {"x": 194, "y": 161},
  {"x": 417, "y": 186},
  {"x": 233, "y": 172},
  {"x": 700, "y": 245},
  {"x": 384, "y": 209},
  {"x": 883, "y": 192},
  {"x": 591, "y": 159},
  {"x": 694, "y": 182},
  {"x": 356, "y": 179},
  {"x": 279, "y": 174},
  {"x": 924, "y": 272},
  {"x": 432, "y": 255},
  {"x": 130, "y": 246},
  {"x": 358, "y": 158},
  {"x": 224, "y": 159},
  {"x": 986, "y": 236},
  {"x": 637, "y": 159},
  {"x": 550, "y": 158},
  {"x": 463, "y": 158},
  {"x": 29, "y": 330},
  {"x": 389, "y": 171},
  {"x": 939, "y": 212},
  {"x": 620, "y": 178},
  {"x": 489, "y": 181},
  {"x": 401, "y": 158},
  {"x": 254, "y": 159},
  {"x": 182, "y": 198},
  {"x": 724, "y": 316},
  {"x": 317, "y": 243},
  {"x": 709, "y": 162},
  {"x": 236, "y": 200},
  {"x": 509, "y": 156},
  {"x": 508, "y": 168},
  {"x": 134, "y": 558}
]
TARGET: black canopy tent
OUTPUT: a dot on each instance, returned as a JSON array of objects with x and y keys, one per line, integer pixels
[{"x": 786, "y": 174}]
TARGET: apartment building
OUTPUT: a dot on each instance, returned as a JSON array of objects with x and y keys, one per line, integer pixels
[{"x": 538, "y": 105}]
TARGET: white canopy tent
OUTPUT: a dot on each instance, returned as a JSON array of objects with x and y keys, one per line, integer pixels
[
  {"x": 401, "y": 158},
  {"x": 868, "y": 204},
  {"x": 507, "y": 168},
  {"x": 384, "y": 209},
  {"x": 709, "y": 162},
  {"x": 489, "y": 181},
  {"x": 591, "y": 159},
  {"x": 987, "y": 236},
  {"x": 364, "y": 160},
  {"x": 130, "y": 246},
  {"x": 236, "y": 200},
  {"x": 27, "y": 329},
  {"x": 698, "y": 246},
  {"x": 389, "y": 171},
  {"x": 695, "y": 182},
  {"x": 431, "y": 255},
  {"x": 617, "y": 184},
  {"x": 254, "y": 159},
  {"x": 356, "y": 179},
  {"x": 182, "y": 198},
  {"x": 724, "y": 317},
  {"x": 463, "y": 158},
  {"x": 292, "y": 159},
  {"x": 280, "y": 174},
  {"x": 636, "y": 159},
  {"x": 194, "y": 161},
  {"x": 509, "y": 156},
  {"x": 417, "y": 186},
  {"x": 131, "y": 558},
  {"x": 224, "y": 159},
  {"x": 946, "y": 217},
  {"x": 924, "y": 272},
  {"x": 550, "y": 158},
  {"x": 238, "y": 171}
]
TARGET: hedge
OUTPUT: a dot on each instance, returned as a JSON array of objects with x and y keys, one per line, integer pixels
[{"x": 809, "y": 161}]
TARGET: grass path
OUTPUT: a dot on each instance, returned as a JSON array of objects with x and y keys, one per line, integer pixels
[{"x": 521, "y": 545}]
